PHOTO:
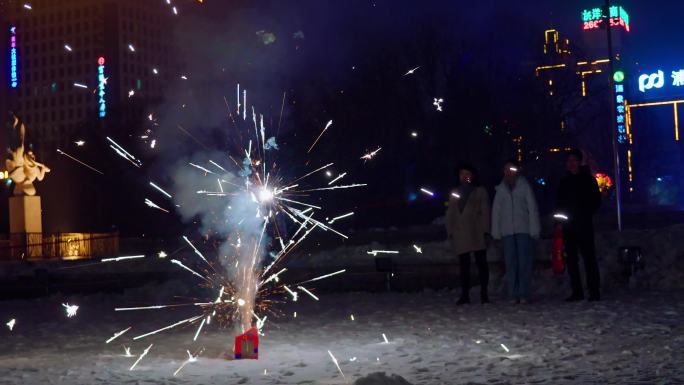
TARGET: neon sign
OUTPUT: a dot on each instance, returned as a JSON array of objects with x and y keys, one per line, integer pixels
[
  {"x": 617, "y": 16},
  {"x": 14, "y": 77},
  {"x": 619, "y": 92},
  {"x": 662, "y": 80},
  {"x": 102, "y": 82},
  {"x": 654, "y": 80}
]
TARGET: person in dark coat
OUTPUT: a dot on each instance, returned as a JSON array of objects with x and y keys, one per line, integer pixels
[
  {"x": 579, "y": 199},
  {"x": 467, "y": 224}
]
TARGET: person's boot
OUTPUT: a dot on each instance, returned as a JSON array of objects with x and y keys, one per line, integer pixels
[
  {"x": 463, "y": 301},
  {"x": 594, "y": 297},
  {"x": 575, "y": 297},
  {"x": 484, "y": 297}
]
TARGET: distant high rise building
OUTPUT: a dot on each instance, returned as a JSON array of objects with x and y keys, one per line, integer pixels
[{"x": 77, "y": 63}]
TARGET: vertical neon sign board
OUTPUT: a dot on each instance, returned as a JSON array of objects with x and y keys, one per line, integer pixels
[
  {"x": 14, "y": 77},
  {"x": 619, "y": 91},
  {"x": 102, "y": 82},
  {"x": 617, "y": 16}
]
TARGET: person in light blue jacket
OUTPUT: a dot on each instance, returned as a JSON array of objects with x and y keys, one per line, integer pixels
[{"x": 515, "y": 220}]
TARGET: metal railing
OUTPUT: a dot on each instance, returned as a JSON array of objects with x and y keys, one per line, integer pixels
[{"x": 67, "y": 246}]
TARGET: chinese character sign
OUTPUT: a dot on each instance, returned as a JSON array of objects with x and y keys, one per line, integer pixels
[
  {"x": 617, "y": 16},
  {"x": 619, "y": 93},
  {"x": 14, "y": 77},
  {"x": 102, "y": 82}
]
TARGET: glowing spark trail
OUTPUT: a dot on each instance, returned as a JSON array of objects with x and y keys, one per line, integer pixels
[
  {"x": 411, "y": 71},
  {"x": 292, "y": 293},
  {"x": 161, "y": 190},
  {"x": 438, "y": 103},
  {"x": 179, "y": 263},
  {"x": 70, "y": 309},
  {"x": 428, "y": 192},
  {"x": 307, "y": 292},
  {"x": 330, "y": 222},
  {"x": 505, "y": 348},
  {"x": 199, "y": 329},
  {"x": 11, "y": 323},
  {"x": 123, "y": 153},
  {"x": 118, "y": 334},
  {"x": 127, "y": 350},
  {"x": 319, "y": 136},
  {"x": 76, "y": 160},
  {"x": 324, "y": 276},
  {"x": 455, "y": 195},
  {"x": 187, "y": 320},
  {"x": 190, "y": 359},
  {"x": 334, "y": 187},
  {"x": 560, "y": 216},
  {"x": 336, "y": 364},
  {"x": 201, "y": 168},
  {"x": 337, "y": 178},
  {"x": 80, "y": 85},
  {"x": 418, "y": 249},
  {"x": 376, "y": 252},
  {"x": 384, "y": 337},
  {"x": 67, "y": 47},
  {"x": 195, "y": 249},
  {"x": 117, "y": 259},
  {"x": 371, "y": 154},
  {"x": 155, "y": 206},
  {"x": 141, "y": 357}
]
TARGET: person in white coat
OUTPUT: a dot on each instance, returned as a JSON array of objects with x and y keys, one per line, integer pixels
[{"x": 515, "y": 220}]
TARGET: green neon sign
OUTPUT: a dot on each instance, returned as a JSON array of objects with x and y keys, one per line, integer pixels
[
  {"x": 619, "y": 76},
  {"x": 617, "y": 16}
]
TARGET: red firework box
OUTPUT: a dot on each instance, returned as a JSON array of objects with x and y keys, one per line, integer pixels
[{"x": 247, "y": 345}]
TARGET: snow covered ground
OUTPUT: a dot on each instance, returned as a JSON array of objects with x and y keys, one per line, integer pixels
[{"x": 627, "y": 338}]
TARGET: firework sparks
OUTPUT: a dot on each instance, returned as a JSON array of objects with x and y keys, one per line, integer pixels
[
  {"x": 455, "y": 195},
  {"x": 437, "y": 102},
  {"x": 191, "y": 358},
  {"x": 185, "y": 321},
  {"x": 504, "y": 347},
  {"x": 117, "y": 335},
  {"x": 123, "y": 153},
  {"x": 337, "y": 178},
  {"x": 70, "y": 309},
  {"x": 334, "y": 360},
  {"x": 371, "y": 155},
  {"x": 144, "y": 353},
  {"x": 418, "y": 249},
  {"x": 78, "y": 161},
  {"x": 384, "y": 337},
  {"x": 330, "y": 222},
  {"x": 561, "y": 216},
  {"x": 376, "y": 252},
  {"x": 308, "y": 292},
  {"x": 411, "y": 71},
  {"x": 161, "y": 190},
  {"x": 127, "y": 351},
  {"x": 179, "y": 263},
  {"x": 319, "y": 135},
  {"x": 155, "y": 206},
  {"x": 11, "y": 324},
  {"x": 80, "y": 85},
  {"x": 68, "y": 47},
  {"x": 117, "y": 259},
  {"x": 324, "y": 276},
  {"x": 427, "y": 192}
]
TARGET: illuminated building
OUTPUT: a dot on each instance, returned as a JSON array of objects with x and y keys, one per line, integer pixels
[{"x": 58, "y": 44}]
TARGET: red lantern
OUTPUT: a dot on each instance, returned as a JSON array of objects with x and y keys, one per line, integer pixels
[{"x": 247, "y": 345}]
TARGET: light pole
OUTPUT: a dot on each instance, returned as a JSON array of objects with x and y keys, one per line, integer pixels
[{"x": 613, "y": 129}]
